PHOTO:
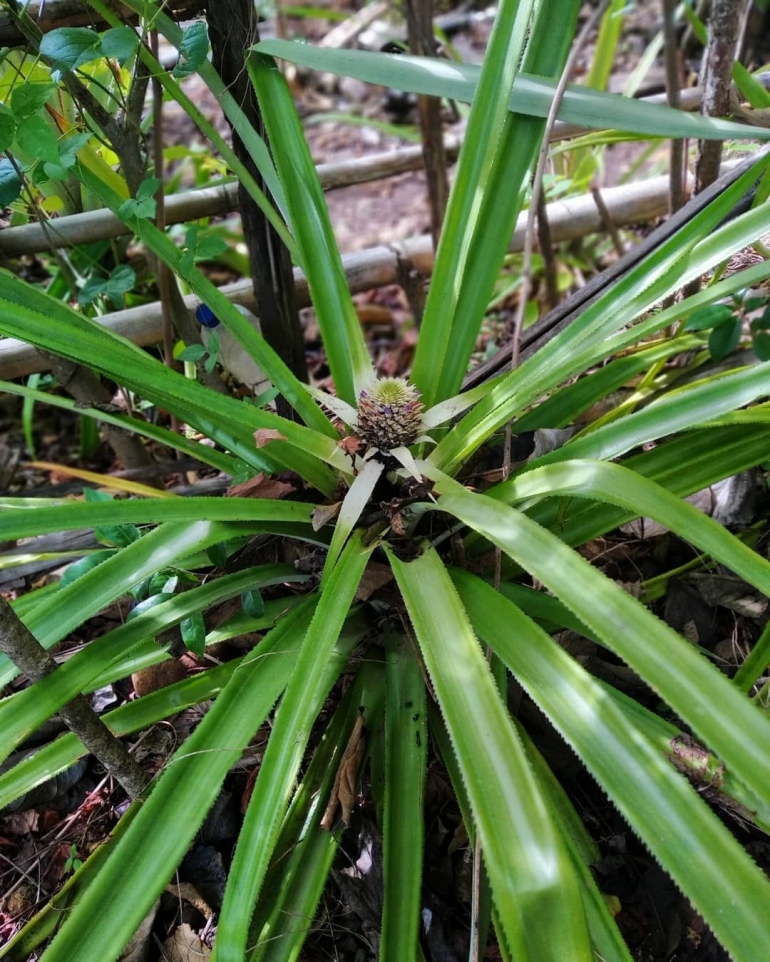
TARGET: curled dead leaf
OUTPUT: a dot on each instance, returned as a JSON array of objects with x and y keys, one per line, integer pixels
[
  {"x": 188, "y": 892},
  {"x": 375, "y": 576},
  {"x": 264, "y": 436},
  {"x": 261, "y": 486},
  {"x": 148, "y": 680},
  {"x": 344, "y": 789},
  {"x": 350, "y": 445},
  {"x": 323, "y": 514},
  {"x": 183, "y": 945}
]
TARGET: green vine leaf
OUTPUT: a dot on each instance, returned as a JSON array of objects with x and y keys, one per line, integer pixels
[
  {"x": 192, "y": 50},
  {"x": 35, "y": 137},
  {"x": 119, "y": 43},
  {"x": 70, "y": 47},
  {"x": 10, "y": 183},
  {"x": 28, "y": 98},
  {"x": 7, "y": 127}
]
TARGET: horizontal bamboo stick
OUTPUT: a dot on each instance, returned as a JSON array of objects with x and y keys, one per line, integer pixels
[
  {"x": 216, "y": 201},
  {"x": 206, "y": 202},
  {"x": 378, "y": 266}
]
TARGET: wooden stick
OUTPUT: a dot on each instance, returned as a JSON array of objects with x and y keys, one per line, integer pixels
[
  {"x": 378, "y": 266},
  {"x": 207, "y": 202},
  {"x": 216, "y": 201}
]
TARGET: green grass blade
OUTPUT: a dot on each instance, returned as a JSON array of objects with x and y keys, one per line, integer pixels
[
  {"x": 618, "y": 485},
  {"x": 606, "y": 46},
  {"x": 32, "y": 520},
  {"x": 533, "y": 881},
  {"x": 589, "y": 338},
  {"x": 682, "y": 466},
  {"x": 678, "y": 411},
  {"x": 23, "y": 712},
  {"x": 440, "y": 78},
  {"x": 511, "y": 155},
  {"x": 406, "y": 748},
  {"x": 59, "y": 613},
  {"x": 462, "y": 220},
  {"x": 304, "y": 696},
  {"x": 27, "y": 313},
  {"x": 58, "y": 755},
  {"x": 252, "y": 342},
  {"x": 567, "y": 403},
  {"x": 217, "y": 459},
  {"x": 343, "y": 338},
  {"x": 711, "y": 867},
  {"x": 304, "y": 851},
  {"x": 605, "y": 936},
  {"x": 137, "y": 715},
  {"x": 690, "y": 684},
  {"x": 140, "y": 865}
]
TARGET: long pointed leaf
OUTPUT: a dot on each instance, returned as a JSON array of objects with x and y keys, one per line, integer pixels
[
  {"x": 406, "y": 751},
  {"x": 533, "y": 881},
  {"x": 303, "y": 698},
  {"x": 683, "y": 834},
  {"x": 439, "y": 78},
  {"x": 138, "y": 868},
  {"x": 343, "y": 339},
  {"x": 463, "y": 215},
  {"x": 738, "y": 733}
]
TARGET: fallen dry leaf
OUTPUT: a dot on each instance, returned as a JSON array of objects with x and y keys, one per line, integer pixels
[
  {"x": 21, "y": 823},
  {"x": 374, "y": 577},
  {"x": 183, "y": 945},
  {"x": 260, "y": 486},
  {"x": 264, "y": 436},
  {"x": 350, "y": 445},
  {"x": 323, "y": 514},
  {"x": 158, "y": 676},
  {"x": 344, "y": 790},
  {"x": 374, "y": 314}
]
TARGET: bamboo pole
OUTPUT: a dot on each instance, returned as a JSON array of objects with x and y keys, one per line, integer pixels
[
  {"x": 206, "y": 202},
  {"x": 217, "y": 201},
  {"x": 378, "y": 266}
]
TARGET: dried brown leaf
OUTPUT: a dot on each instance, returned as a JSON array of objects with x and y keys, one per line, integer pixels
[
  {"x": 261, "y": 486},
  {"x": 344, "y": 791},
  {"x": 375, "y": 576},
  {"x": 323, "y": 514},
  {"x": 183, "y": 945},
  {"x": 264, "y": 436},
  {"x": 188, "y": 892}
]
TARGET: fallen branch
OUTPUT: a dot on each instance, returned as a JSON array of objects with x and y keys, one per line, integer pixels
[
  {"x": 378, "y": 266},
  {"x": 217, "y": 201}
]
